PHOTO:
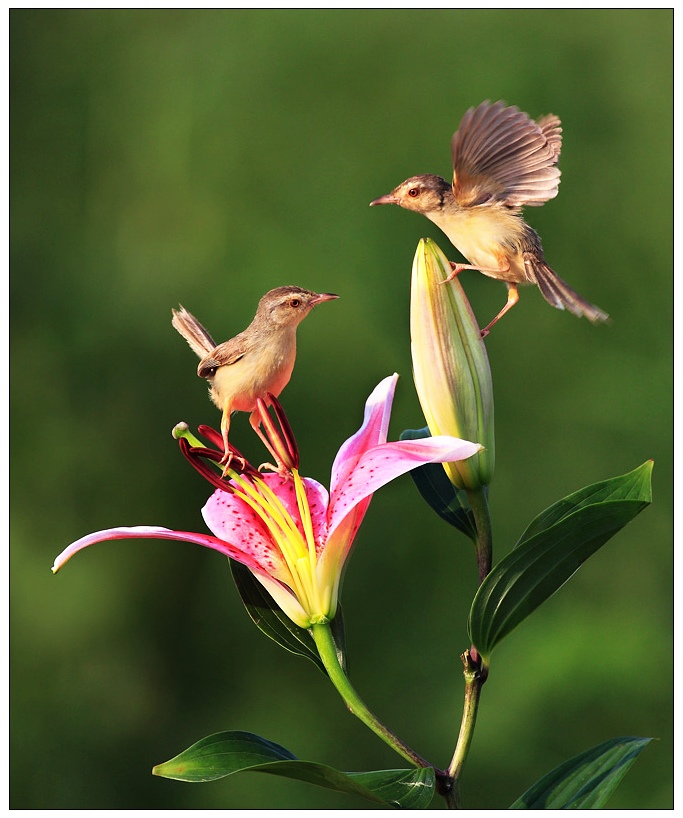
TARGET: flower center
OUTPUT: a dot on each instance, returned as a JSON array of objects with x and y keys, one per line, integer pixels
[{"x": 298, "y": 550}]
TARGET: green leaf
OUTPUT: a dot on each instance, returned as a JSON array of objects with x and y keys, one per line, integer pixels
[
  {"x": 223, "y": 754},
  {"x": 437, "y": 490},
  {"x": 585, "y": 781},
  {"x": 635, "y": 485},
  {"x": 552, "y": 548},
  {"x": 276, "y": 625}
]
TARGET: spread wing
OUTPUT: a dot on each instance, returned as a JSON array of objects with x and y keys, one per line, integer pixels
[
  {"x": 229, "y": 352},
  {"x": 500, "y": 154}
]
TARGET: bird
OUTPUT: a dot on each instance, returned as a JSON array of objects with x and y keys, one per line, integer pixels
[
  {"x": 502, "y": 161},
  {"x": 257, "y": 362}
]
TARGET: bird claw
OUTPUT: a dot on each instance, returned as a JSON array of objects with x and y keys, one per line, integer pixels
[
  {"x": 456, "y": 269},
  {"x": 227, "y": 459},
  {"x": 281, "y": 470}
]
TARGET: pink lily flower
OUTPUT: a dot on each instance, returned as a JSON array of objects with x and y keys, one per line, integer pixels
[{"x": 291, "y": 534}]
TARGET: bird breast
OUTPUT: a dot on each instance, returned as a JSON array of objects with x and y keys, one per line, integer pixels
[
  {"x": 488, "y": 236},
  {"x": 266, "y": 368}
]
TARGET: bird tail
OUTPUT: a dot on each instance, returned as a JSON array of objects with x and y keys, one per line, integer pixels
[
  {"x": 193, "y": 332},
  {"x": 559, "y": 294}
]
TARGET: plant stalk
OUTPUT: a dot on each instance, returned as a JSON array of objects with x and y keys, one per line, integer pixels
[
  {"x": 482, "y": 519},
  {"x": 475, "y": 676},
  {"x": 328, "y": 654}
]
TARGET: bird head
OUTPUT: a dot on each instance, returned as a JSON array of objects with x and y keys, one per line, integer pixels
[
  {"x": 423, "y": 194},
  {"x": 288, "y": 306}
]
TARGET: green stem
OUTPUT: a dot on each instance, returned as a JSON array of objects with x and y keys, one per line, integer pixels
[
  {"x": 475, "y": 676},
  {"x": 482, "y": 518},
  {"x": 328, "y": 653},
  {"x": 475, "y": 672}
]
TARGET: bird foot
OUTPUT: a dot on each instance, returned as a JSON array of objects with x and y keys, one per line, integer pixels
[
  {"x": 457, "y": 268},
  {"x": 282, "y": 470},
  {"x": 227, "y": 460}
]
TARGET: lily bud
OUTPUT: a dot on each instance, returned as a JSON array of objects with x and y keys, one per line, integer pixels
[{"x": 450, "y": 365}]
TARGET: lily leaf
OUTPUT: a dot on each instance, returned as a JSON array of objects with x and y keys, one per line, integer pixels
[
  {"x": 437, "y": 490},
  {"x": 585, "y": 781},
  {"x": 552, "y": 548},
  {"x": 276, "y": 625},
  {"x": 223, "y": 754}
]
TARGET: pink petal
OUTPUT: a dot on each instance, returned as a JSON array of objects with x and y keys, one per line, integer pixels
[
  {"x": 371, "y": 433},
  {"x": 234, "y": 521},
  {"x": 317, "y": 497},
  {"x": 318, "y": 501},
  {"x": 383, "y": 463},
  {"x": 154, "y": 532}
]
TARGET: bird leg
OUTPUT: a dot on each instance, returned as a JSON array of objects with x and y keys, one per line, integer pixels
[
  {"x": 229, "y": 455},
  {"x": 513, "y": 298},
  {"x": 457, "y": 268},
  {"x": 255, "y": 421}
]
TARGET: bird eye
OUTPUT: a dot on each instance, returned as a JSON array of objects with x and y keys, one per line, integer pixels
[
  {"x": 295, "y": 302},
  {"x": 414, "y": 192}
]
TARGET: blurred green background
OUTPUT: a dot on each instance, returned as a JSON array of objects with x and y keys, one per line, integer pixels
[{"x": 204, "y": 157}]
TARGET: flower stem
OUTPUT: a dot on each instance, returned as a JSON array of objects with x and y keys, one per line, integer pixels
[
  {"x": 328, "y": 653},
  {"x": 475, "y": 676},
  {"x": 484, "y": 544},
  {"x": 475, "y": 671}
]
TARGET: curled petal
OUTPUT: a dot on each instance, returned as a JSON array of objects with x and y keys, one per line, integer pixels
[
  {"x": 155, "y": 532},
  {"x": 371, "y": 433}
]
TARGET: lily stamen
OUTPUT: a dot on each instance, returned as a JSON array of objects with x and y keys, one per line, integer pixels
[{"x": 279, "y": 442}]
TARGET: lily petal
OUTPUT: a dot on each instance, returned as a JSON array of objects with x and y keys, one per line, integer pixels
[
  {"x": 234, "y": 521},
  {"x": 155, "y": 532},
  {"x": 237, "y": 525},
  {"x": 381, "y": 464},
  {"x": 373, "y": 431},
  {"x": 286, "y": 600},
  {"x": 317, "y": 497}
]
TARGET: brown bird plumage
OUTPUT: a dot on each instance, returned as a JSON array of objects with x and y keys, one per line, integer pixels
[
  {"x": 257, "y": 362},
  {"x": 502, "y": 161}
]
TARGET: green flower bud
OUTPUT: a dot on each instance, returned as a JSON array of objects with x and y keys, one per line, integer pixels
[{"x": 450, "y": 365}]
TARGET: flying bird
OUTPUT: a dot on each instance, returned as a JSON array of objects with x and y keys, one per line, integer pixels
[{"x": 502, "y": 161}]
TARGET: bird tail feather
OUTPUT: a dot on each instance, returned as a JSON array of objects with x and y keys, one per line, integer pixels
[
  {"x": 193, "y": 332},
  {"x": 559, "y": 294}
]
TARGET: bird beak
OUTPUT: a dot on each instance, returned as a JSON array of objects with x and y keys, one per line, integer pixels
[
  {"x": 323, "y": 297},
  {"x": 388, "y": 199}
]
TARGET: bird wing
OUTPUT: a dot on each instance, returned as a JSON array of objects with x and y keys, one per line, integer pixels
[
  {"x": 500, "y": 154},
  {"x": 225, "y": 354}
]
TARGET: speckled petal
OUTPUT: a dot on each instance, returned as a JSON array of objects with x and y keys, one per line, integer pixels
[
  {"x": 316, "y": 495},
  {"x": 381, "y": 464},
  {"x": 235, "y": 522}
]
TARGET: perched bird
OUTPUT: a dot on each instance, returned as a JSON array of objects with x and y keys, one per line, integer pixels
[
  {"x": 254, "y": 363},
  {"x": 502, "y": 160}
]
